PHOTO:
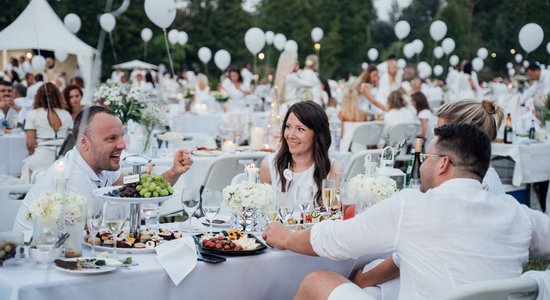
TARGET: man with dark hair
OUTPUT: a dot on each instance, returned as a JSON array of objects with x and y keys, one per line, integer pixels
[
  {"x": 451, "y": 234},
  {"x": 94, "y": 161},
  {"x": 32, "y": 89},
  {"x": 9, "y": 110},
  {"x": 540, "y": 85},
  {"x": 20, "y": 99}
]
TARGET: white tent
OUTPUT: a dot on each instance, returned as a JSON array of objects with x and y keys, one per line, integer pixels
[
  {"x": 38, "y": 27},
  {"x": 136, "y": 63}
]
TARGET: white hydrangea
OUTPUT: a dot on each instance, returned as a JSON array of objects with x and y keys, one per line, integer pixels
[
  {"x": 46, "y": 205},
  {"x": 371, "y": 188},
  {"x": 75, "y": 208},
  {"x": 250, "y": 195}
]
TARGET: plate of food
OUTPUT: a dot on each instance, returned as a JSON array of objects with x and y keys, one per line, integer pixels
[
  {"x": 230, "y": 242},
  {"x": 126, "y": 244},
  {"x": 149, "y": 189},
  {"x": 218, "y": 222},
  {"x": 87, "y": 265},
  {"x": 204, "y": 151}
]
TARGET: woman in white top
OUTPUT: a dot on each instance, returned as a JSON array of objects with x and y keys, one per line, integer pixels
[
  {"x": 424, "y": 114},
  {"x": 303, "y": 153},
  {"x": 311, "y": 87},
  {"x": 390, "y": 81},
  {"x": 466, "y": 88},
  {"x": 46, "y": 128},
  {"x": 233, "y": 84},
  {"x": 367, "y": 86},
  {"x": 398, "y": 114}
]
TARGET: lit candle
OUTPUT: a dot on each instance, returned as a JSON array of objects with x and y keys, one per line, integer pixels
[
  {"x": 252, "y": 172},
  {"x": 229, "y": 146},
  {"x": 256, "y": 138},
  {"x": 58, "y": 171}
]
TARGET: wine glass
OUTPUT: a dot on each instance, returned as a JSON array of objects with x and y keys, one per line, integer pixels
[
  {"x": 190, "y": 205},
  {"x": 95, "y": 217},
  {"x": 211, "y": 201},
  {"x": 329, "y": 195},
  {"x": 151, "y": 211},
  {"x": 44, "y": 236},
  {"x": 114, "y": 216},
  {"x": 286, "y": 206},
  {"x": 304, "y": 198}
]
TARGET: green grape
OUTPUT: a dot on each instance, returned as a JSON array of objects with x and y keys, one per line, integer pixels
[
  {"x": 146, "y": 184},
  {"x": 163, "y": 192},
  {"x": 147, "y": 195},
  {"x": 158, "y": 189},
  {"x": 142, "y": 192},
  {"x": 155, "y": 194},
  {"x": 170, "y": 189},
  {"x": 139, "y": 187},
  {"x": 153, "y": 185},
  {"x": 158, "y": 178},
  {"x": 150, "y": 179}
]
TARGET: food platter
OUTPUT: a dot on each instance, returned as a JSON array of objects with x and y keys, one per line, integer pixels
[
  {"x": 148, "y": 243},
  {"x": 218, "y": 222},
  {"x": 101, "y": 192},
  {"x": 110, "y": 265},
  {"x": 207, "y": 152},
  {"x": 261, "y": 247}
]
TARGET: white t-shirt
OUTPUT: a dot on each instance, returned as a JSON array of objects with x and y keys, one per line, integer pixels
[
  {"x": 80, "y": 179},
  {"x": 37, "y": 119},
  {"x": 451, "y": 235},
  {"x": 304, "y": 178}
]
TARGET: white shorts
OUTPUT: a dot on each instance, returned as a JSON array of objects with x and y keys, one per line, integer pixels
[{"x": 349, "y": 291}]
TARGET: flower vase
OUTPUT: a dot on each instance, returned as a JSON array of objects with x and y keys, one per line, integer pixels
[
  {"x": 75, "y": 219},
  {"x": 147, "y": 143},
  {"x": 246, "y": 219}
]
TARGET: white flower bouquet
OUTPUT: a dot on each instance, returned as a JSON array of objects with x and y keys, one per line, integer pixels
[
  {"x": 53, "y": 204},
  {"x": 371, "y": 188},
  {"x": 128, "y": 105},
  {"x": 75, "y": 208},
  {"x": 248, "y": 195},
  {"x": 221, "y": 96}
]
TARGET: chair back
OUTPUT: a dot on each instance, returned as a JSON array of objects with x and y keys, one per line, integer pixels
[
  {"x": 367, "y": 134},
  {"x": 67, "y": 145},
  {"x": 401, "y": 131},
  {"x": 524, "y": 288},
  {"x": 239, "y": 178},
  {"x": 11, "y": 197},
  {"x": 222, "y": 170},
  {"x": 357, "y": 164}
]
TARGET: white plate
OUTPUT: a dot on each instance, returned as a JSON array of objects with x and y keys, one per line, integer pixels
[
  {"x": 112, "y": 265},
  {"x": 225, "y": 219},
  {"x": 102, "y": 191},
  {"x": 170, "y": 136},
  {"x": 121, "y": 250},
  {"x": 206, "y": 152}
]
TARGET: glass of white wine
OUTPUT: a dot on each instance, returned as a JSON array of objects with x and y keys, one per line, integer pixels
[
  {"x": 329, "y": 195},
  {"x": 115, "y": 215},
  {"x": 285, "y": 206},
  {"x": 95, "y": 218},
  {"x": 211, "y": 202}
]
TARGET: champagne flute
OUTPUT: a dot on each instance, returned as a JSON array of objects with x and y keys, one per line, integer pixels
[
  {"x": 304, "y": 198},
  {"x": 328, "y": 194},
  {"x": 191, "y": 205},
  {"x": 114, "y": 216},
  {"x": 95, "y": 217},
  {"x": 286, "y": 207},
  {"x": 150, "y": 211},
  {"x": 211, "y": 201},
  {"x": 44, "y": 235}
]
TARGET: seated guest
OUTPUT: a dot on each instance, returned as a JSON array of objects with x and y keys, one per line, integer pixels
[
  {"x": 9, "y": 110},
  {"x": 304, "y": 151},
  {"x": 94, "y": 162},
  {"x": 350, "y": 110},
  {"x": 448, "y": 234},
  {"x": 73, "y": 98},
  {"x": 397, "y": 114},
  {"x": 20, "y": 99},
  {"x": 47, "y": 126},
  {"x": 424, "y": 114}
]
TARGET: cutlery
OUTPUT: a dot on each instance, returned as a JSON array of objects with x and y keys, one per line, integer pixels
[{"x": 61, "y": 240}]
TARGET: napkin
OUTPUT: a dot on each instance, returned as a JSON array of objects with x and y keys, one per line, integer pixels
[{"x": 178, "y": 257}]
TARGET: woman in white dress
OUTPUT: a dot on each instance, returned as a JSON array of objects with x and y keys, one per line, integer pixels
[
  {"x": 466, "y": 88},
  {"x": 303, "y": 153},
  {"x": 287, "y": 64},
  {"x": 367, "y": 86},
  {"x": 311, "y": 87},
  {"x": 234, "y": 86},
  {"x": 390, "y": 81},
  {"x": 397, "y": 114},
  {"x": 425, "y": 116},
  {"x": 47, "y": 126}
]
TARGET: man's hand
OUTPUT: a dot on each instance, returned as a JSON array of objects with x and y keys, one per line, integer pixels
[
  {"x": 182, "y": 163},
  {"x": 276, "y": 235}
]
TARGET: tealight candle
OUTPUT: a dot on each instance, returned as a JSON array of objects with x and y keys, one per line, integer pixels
[
  {"x": 256, "y": 138},
  {"x": 252, "y": 172},
  {"x": 59, "y": 178},
  {"x": 229, "y": 146}
]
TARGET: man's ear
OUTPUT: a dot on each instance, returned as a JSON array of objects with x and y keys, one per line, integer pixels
[
  {"x": 444, "y": 165},
  {"x": 83, "y": 142}
]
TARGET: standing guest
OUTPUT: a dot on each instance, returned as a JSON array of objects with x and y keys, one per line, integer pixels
[
  {"x": 304, "y": 151},
  {"x": 38, "y": 82},
  {"x": 448, "y": 234},
  {"x": 73, "y": 98},
  {"x": 94, "y": 161},
  {"x": 466, "y": 88},
  {"x": 326, "y": 95},
  {"x": 391, "y": 80},
  {"x": 29, "y": 79},
  {"x": 367, "y": 86},
  {"x": 312, "y": 87},
  {"x": 46, "y": 128},
  {"x": 247, "y": 76},
  {"x": 424, "y": 114},
  {"x": 540, "y": 85},
  {"x": 234, "y": 86}
]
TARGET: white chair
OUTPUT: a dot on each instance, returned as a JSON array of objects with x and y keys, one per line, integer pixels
[
  {"x": 11, "y": 197},
  {"x": 402, "y": 131},
  {"x": 521, "y": 288},
  {"x": 239, "y": 178},
  {"x": 366, "y": 134},
  {"x": 357, "y": 163}
]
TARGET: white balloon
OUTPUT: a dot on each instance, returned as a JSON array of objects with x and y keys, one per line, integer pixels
[
  {"x": 38, "y": 63},
  {"x": 402, "y": 29},
  {"x": 438, "y": 70},
  {"x": 509, "y": 65},
  {"x": 316, "y": 34},
  {"x": 448, "y": 45},
  {"x": 173, "y": 36},
  {"x": 518, "y": 58},
  {"x": 418, "y": 46},
  {"x": 279, "y": 41},
  {"x": 424, "y": 69},
  {"x": 291, "y": 46},
  {"x": 525, "y": 63},
  {"x": 530, "y": 37},
  {"x": 146, "y": 34},
  {"x": 72, "y": 21},
  {"x": 182, "y": 38},
  {"x": 222, "y": 59},
  {"x": 205, "y": 55},
  {"x": 269, "y": 35},
  {"x": 254, "y": 39},
  {"x": 409, "y": 50},
  {"x": 401, "y": 63},
  {"x": 477, "y": 64},
  {"x": 107, "y": 22},
  {"x": 372, "y": 54},
  {"x": 548, "y": 47},
  {"x": 482, "y": 53},
  {"x": 438, "y": 30},
  {"x": 439, "y": 52},
  {"x": 364, "y": 66},
  {"x": 61, "y": 54},
  {"x": 511, "y": 71},
  {"x": 161, "y": 12},
  {"x": 453, "y": 60}
]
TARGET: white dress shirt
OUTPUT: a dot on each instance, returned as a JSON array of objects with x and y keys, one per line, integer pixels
[
  {"x": 537, "y": 87},
  {"x": 451, "y": 235},
  {"x": 80, "y": 179},
  {"x": 293, "y": 84}
]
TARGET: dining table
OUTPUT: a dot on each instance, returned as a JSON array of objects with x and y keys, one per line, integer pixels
[{"x": 13, "y": 150}]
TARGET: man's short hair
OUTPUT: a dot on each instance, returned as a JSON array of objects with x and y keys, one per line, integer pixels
[
  {"x": 38, "y": 77},
  {"x": 20, "y": 89},
  {"x": 83, "y": 119},
  {"x": 470, "y": 147},
  {"x": 6, "y": 83},
  {"x": 533, "y": 67}
]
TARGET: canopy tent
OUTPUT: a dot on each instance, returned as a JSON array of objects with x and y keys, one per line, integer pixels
[
  {"x": 136, "y": 63},
  {"x": 38, "y": 27}
]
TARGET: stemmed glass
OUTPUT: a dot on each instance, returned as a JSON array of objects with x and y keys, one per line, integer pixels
[
  {"x": 211, "y": 201},
  {"x": 329, "y": 195},
  {"x": 44, "y": 236},
  {"x": 304, "y": 198},
  {"x": 286, "y": 206},
  {"x": 114, "y": 216},
  {"x": 95, "y": 217},
  {"x": 190, "y": 206},
  {"x": 151, "y": 213}
]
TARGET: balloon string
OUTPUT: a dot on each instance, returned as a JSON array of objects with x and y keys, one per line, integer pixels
[
  {"x": 40, "y": 54},
  {"x": 145, "y": 50},
  {"x": 113, "y": 46},
  {"x": 168, "y": 50}
]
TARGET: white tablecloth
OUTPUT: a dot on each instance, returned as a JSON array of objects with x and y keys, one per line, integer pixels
[
  {"x": 12, "y": 152},
  {"x": 274, "y": 274},
  {"x": 532, "y": 161},
  {"x": 208, "y": 123}
]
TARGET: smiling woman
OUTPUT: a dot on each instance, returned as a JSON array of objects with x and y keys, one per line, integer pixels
[{"x": 304, "y": 151}]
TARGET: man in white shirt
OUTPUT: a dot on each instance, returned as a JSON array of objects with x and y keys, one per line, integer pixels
[
  {"x": 20, "y": 98},
  {"x": 9, "y": 110},
  {"x": 540, "y": 85},
  {"x": 94, "y": 162},
  {"x": 450, "y": 233},
  {"x": 32, "y": 89}
]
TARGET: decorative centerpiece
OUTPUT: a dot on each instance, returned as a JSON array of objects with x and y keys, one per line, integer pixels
[
  {"x": 127, "y": 104},
  {"x": 370, "y": 190},
  {"x": 245, "y": 198},
  {"x": 220, "y": 96}
]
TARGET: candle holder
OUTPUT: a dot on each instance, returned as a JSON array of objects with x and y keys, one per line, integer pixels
[{"x": 60, "y": 185}]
